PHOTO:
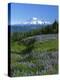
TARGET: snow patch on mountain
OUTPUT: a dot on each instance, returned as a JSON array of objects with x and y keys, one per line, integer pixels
[{"x": 35, "y": 20}]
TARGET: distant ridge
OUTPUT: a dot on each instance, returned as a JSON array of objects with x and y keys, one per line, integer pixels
[{"x": 32, "y": 23}]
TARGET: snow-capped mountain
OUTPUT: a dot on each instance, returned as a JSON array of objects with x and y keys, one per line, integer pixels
[
  {"x": 32, "y": 23},
  {"x": 35, "y": 21}
]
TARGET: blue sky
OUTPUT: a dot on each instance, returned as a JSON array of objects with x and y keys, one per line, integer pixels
[{"x": 23, "y": 12}]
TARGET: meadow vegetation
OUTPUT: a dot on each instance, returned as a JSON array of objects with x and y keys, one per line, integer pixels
[{"x": 30, "y": 56}]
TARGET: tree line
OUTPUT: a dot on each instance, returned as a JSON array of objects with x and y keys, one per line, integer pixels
[{"x": 48, "y": 29}]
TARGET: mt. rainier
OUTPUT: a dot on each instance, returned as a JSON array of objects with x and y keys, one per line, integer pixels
[{"x": 35, "y": 21}]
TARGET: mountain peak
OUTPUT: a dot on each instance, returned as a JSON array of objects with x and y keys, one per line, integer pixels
[{"x": 35, "y": 20}]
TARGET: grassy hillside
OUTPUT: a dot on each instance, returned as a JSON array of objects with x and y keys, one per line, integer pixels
[
  {"x": 31, "y": 59},
  {"x": 35, "y": 52}
]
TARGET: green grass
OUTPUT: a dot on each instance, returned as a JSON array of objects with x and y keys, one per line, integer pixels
[
  {"x": 21, "y": 69},
  {"x": 15, "y": 47},
  {"x": 50, "y": 45},
  {"x": 15, "y": 58}
]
